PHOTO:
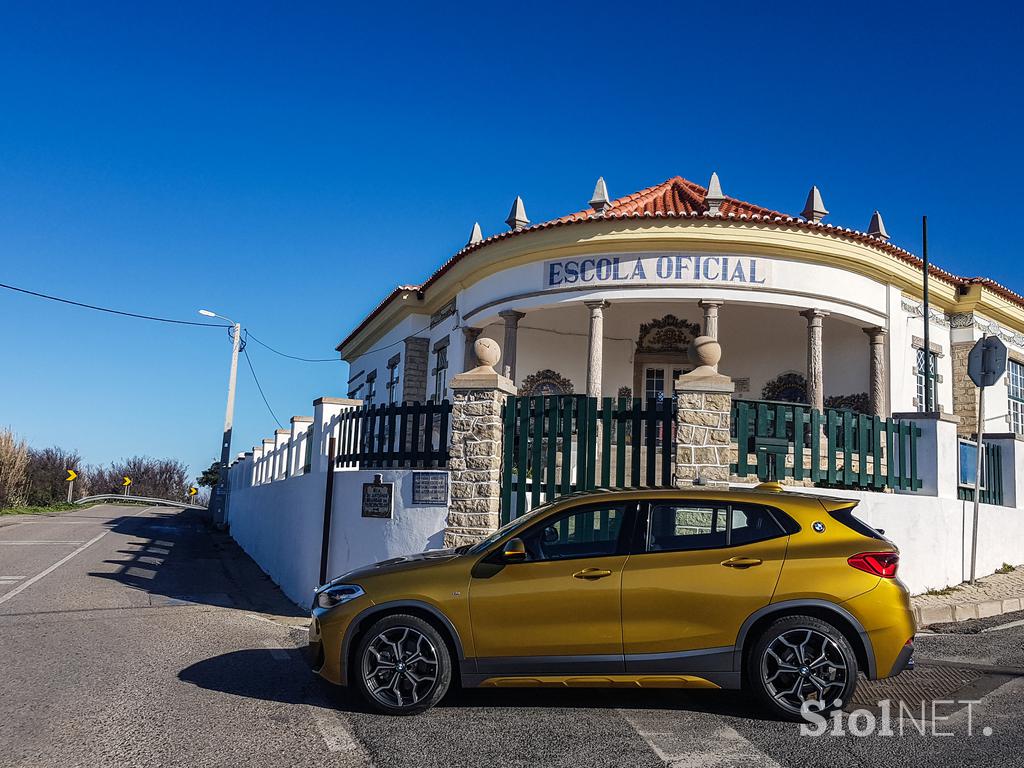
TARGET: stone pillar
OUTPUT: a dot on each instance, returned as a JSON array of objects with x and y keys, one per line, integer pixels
[
  {"x": 511, "y": 318},
  {"x": 704, "y": 449},
  {"x": 965, "y": 394},
  {"x": 815, "y": 375},
  {"x": 414, "y": 370},
  {"x": 595, "y": 350},
  {"x": 710, "y": 307},
  {"x": 470, "y": 335},
  {"x": 876, "y": 371},
  {"x": 475, "y": 464}
]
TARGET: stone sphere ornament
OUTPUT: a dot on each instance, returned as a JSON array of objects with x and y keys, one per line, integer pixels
[
  {"x": 705, "y": 352},
  {"x": 487, "y": 352}
]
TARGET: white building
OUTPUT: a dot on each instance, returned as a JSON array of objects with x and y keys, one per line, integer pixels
[{"x": 606, "y": 300}]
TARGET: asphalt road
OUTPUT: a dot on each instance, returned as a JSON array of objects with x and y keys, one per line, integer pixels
[{"x": 136, "y": 637}]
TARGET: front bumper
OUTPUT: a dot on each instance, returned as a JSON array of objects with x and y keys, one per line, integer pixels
[{"x": 327, "y": 630}]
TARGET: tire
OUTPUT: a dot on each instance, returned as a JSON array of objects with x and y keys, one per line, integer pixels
[
  {"x": 801, "y": 658},
  {"x": 413, "y": 683}
]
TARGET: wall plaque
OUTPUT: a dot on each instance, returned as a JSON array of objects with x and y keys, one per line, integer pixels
[
  {"x": 378, "y": 499},
  {"x": 430, "y": 489}
]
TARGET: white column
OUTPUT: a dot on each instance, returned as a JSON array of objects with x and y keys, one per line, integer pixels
[
  {"x": 511, "y": 318},
  {"x": 815, "y": 374},
  {"x": 876, "y": 371},
  {"x": 595, "y": 350},
  {"x": 710, "y": 307}
]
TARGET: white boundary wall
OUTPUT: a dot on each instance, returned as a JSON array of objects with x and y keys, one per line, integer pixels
[{"x": 280, "y": 525}]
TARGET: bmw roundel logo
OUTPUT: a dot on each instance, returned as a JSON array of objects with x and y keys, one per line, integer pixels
[{"x": 818, "y": 526}]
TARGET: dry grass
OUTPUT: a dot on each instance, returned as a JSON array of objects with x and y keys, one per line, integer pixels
[{"x": 13, "y": 469}]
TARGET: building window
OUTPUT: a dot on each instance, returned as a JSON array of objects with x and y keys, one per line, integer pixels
[
  {"x": 1015, "y": 385},
  {"x": 392, "y": 385},
  {"x": 440, "y": 374},
  {"x": 371, "y": 388},
  {"x": 920, "y": 381}
]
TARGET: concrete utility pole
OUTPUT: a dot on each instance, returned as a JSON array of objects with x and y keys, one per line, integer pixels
[{"x": 218, "y": 499}]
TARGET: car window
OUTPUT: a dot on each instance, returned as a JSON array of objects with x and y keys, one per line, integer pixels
[
  {"x": 682, "y": 526},
  {"x": 590, "y": 532}
]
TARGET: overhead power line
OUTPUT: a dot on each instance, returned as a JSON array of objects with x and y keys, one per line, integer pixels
[
  {"x": 110, "y": 311},
  {"x": 254, "y": 378},
  {"x": 252, "y": 336}
]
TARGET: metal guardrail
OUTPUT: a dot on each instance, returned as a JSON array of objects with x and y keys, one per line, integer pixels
[{"x": 140, "y": 499}]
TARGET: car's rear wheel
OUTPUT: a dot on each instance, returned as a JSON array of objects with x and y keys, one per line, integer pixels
[
  {"x": 802, "y": 661},
  {"x": 403, "y": 665}
]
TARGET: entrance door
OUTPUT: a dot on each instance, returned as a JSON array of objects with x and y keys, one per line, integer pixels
[
  {"x": 659, "y": 382},
  {"x": 703, "y": 568},
  {"x": 558, "y": 612}
]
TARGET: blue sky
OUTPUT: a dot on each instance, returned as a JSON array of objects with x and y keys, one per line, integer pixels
[{"x": 160, "y": 157}]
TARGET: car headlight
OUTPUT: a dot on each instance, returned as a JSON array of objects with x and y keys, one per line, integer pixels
[{"x": 337, "y": 594}]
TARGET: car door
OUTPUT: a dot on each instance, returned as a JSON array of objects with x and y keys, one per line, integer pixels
[
  {"x": 699, "y": 569},
  {"x": 559, "y": 611}
]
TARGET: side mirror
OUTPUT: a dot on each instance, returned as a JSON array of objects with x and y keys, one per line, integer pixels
[{"x": 514, "y": 551}]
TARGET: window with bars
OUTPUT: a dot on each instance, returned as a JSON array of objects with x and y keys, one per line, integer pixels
[
  {"x": 1015, "y": 391},
  {"x": 920, "y": 376},
  {"x": 440, "y": 374}
]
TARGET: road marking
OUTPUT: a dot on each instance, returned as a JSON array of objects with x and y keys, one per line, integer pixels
[
  {"x": 38, "y": 541},
  {"x": 335, "y": 732},
  {"x": 701, "y": 741},
  {"x": 279, "y": 653},
  {"x": 1011, "y": 625},
  {"x": 22, "y": 587}
]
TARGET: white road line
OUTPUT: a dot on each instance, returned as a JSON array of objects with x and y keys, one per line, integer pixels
[
  {"x": 22, "y": 587},
  {"x": 279, "y": 653},
  {"x": 38, "y": 541},
  {"x": 1011, "y": 625},
  {"x": 336, "y": 734},
  {"x": 700, "y": 741}
]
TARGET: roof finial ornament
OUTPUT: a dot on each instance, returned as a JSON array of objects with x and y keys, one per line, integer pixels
[
  {"x": 814, "y": 208},
  {"x": 517, "y": 216},
  {"x": 714, "y": 197},
  {"x": 476, "y": 236},
  {"x": 877, "y": 227},
  {"x": 600, "y": 202}
]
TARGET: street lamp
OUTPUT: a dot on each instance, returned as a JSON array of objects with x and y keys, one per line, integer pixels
[{"x": 218, "y": 500}]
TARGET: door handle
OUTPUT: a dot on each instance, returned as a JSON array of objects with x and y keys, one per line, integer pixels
[
  {"x": 741, "y": 562},
  {"x": 591, "y": 574}
]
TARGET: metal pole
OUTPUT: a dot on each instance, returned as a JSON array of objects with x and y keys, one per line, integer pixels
[
  {"x": 325, "y": 542},
  {"x": 977, "y": 483},
  {"x": 218, "y": 502},
  {"x": 929, "y": 405}
]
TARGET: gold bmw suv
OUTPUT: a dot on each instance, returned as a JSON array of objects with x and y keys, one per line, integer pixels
[{"x": 786, "y": 595}]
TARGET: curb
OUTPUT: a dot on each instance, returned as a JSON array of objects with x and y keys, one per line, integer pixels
[{"x": 953, "y": 612}]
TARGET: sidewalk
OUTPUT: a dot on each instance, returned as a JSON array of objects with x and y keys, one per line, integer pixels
[{"x": 990, "y": 596}]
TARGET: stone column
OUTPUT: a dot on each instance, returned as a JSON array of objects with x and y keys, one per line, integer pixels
[
  {"x": 704, "y": 449},
  {"x": 414, "y": 370},
  {"x": 710, "y": 307},
  {"x": 815, "y": 375},
  {"x": 965, "y": 394},
  {"x": 470, "y": 335},
  {"x": 511, "y": 318},
  {"x": 475, "y": 464},
  {"x": 595, "y": 350},
  {"x": 876, "y": 371}
]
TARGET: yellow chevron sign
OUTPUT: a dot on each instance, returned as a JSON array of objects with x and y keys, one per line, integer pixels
[
  {"x": 127, "y": 481},
  {"x": 71, "y": 475},
  {"x": 193, "y": 491}
]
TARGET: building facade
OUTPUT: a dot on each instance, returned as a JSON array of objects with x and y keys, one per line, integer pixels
[{"x": 606, "y": 301}]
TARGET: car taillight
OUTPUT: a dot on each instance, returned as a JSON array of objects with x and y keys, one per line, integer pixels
[{"x": 882, "y": 564}]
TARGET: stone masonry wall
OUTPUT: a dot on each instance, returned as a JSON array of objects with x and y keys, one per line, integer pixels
[
  {"x": 965, "y": 394},
  {"x": 703, "y": 446},
  {"x": 414, "y": 373},
  {"x": 475, "y": 465}
]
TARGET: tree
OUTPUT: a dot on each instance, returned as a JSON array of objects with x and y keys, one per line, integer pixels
[
  {"x": 210, "y": 477},
  {"x": 159, "y": 478},
  {"x": 46, "y": 475}
]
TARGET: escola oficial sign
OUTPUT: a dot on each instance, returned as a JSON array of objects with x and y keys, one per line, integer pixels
[{"x": 657, "y": 269}]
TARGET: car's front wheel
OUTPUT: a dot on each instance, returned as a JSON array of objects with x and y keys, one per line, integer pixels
[
  {"x": 403, "y": 665},
  {"x": 802, "y": 661}
]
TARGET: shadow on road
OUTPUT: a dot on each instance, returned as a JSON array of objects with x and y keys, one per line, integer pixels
[
  {"x": 177, "y": 558},
  {"x": 255, "y": 673}
]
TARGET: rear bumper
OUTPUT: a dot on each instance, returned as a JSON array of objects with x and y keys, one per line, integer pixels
[
  {"x": 884, "y": 613},
  {"x": 905, "y": 660}
]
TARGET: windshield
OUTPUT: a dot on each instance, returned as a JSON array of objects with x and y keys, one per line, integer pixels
[{"x": 482, "y": 545}]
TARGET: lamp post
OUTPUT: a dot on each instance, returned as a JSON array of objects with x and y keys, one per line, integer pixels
[{"x": 218, "y": 499}]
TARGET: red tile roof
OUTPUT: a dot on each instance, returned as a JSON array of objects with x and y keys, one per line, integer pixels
[{"x": 679, "y": 198}]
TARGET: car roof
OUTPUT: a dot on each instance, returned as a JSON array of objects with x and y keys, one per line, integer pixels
[{"x": 769, "y": 493}]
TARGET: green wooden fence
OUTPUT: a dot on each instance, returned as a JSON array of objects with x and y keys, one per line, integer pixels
[
  {"x": 839, "y": 448},
  {"x": 394, "y": 435},
  {"x": 559, "y": 444},
  {"x": 992, "y": 493}
]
